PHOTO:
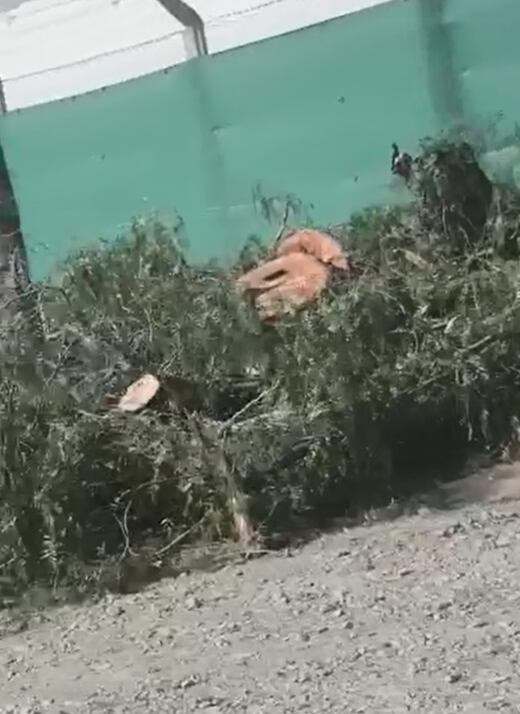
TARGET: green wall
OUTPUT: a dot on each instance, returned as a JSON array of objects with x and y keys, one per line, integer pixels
[{"x": 312, "y": 113}]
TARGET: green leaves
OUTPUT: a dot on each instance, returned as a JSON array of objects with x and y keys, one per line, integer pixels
[{"x": 322, "y": 413}]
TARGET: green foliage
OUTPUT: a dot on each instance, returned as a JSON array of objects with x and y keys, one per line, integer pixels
[{"x": 400, "y": 367}]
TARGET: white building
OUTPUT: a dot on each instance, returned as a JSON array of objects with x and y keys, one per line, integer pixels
[{"x": 51, "y": 49}]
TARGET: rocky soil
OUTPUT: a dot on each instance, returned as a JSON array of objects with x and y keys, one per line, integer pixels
[{"x": 417, "y": 614}]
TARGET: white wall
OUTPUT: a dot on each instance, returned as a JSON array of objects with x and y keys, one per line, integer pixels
[{"x": 50, "y": 49}]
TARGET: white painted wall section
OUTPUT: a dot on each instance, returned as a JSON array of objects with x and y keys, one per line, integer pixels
[
  {"x": 240, "y": 22},
  {"x": 52, "y": 49}
]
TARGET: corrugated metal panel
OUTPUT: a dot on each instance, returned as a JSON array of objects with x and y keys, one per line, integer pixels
[
  {"x": 486, "y": 38},
  {"x": 312, "y": 113}
]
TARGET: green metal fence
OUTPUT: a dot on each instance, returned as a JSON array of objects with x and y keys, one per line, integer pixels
[{"x": 312, "y": 113}]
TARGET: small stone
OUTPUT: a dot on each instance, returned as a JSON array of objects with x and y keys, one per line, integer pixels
[
  {"x": 283, "y": 597},
  {"x": 444, "y": 605},
  {"x": 480, "y": 623},
  {"x": 452, "y": 530},
  {"x": 116, "y": 611},
  {"x": 328, "y": 607},
  {"x": 360, "y": 652},
  {"x": 193, "y": 603},
  {"x": 190, "y": 681},
  {"x": 501, "y": 679}
]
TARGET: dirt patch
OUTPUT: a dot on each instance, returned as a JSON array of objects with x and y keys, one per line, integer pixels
[
  {"x": 416, "y": 615},
  {"x": 491, "y": 485}
]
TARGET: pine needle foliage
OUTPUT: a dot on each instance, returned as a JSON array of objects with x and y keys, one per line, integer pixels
[{"x": 406, "y": 365}]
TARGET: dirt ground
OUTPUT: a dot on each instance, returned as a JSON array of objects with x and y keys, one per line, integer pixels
[{"x": 416, "y": 614}]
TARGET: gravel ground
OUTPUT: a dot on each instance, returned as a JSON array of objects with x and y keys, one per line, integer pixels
[{"x": 420, "y": 614}]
